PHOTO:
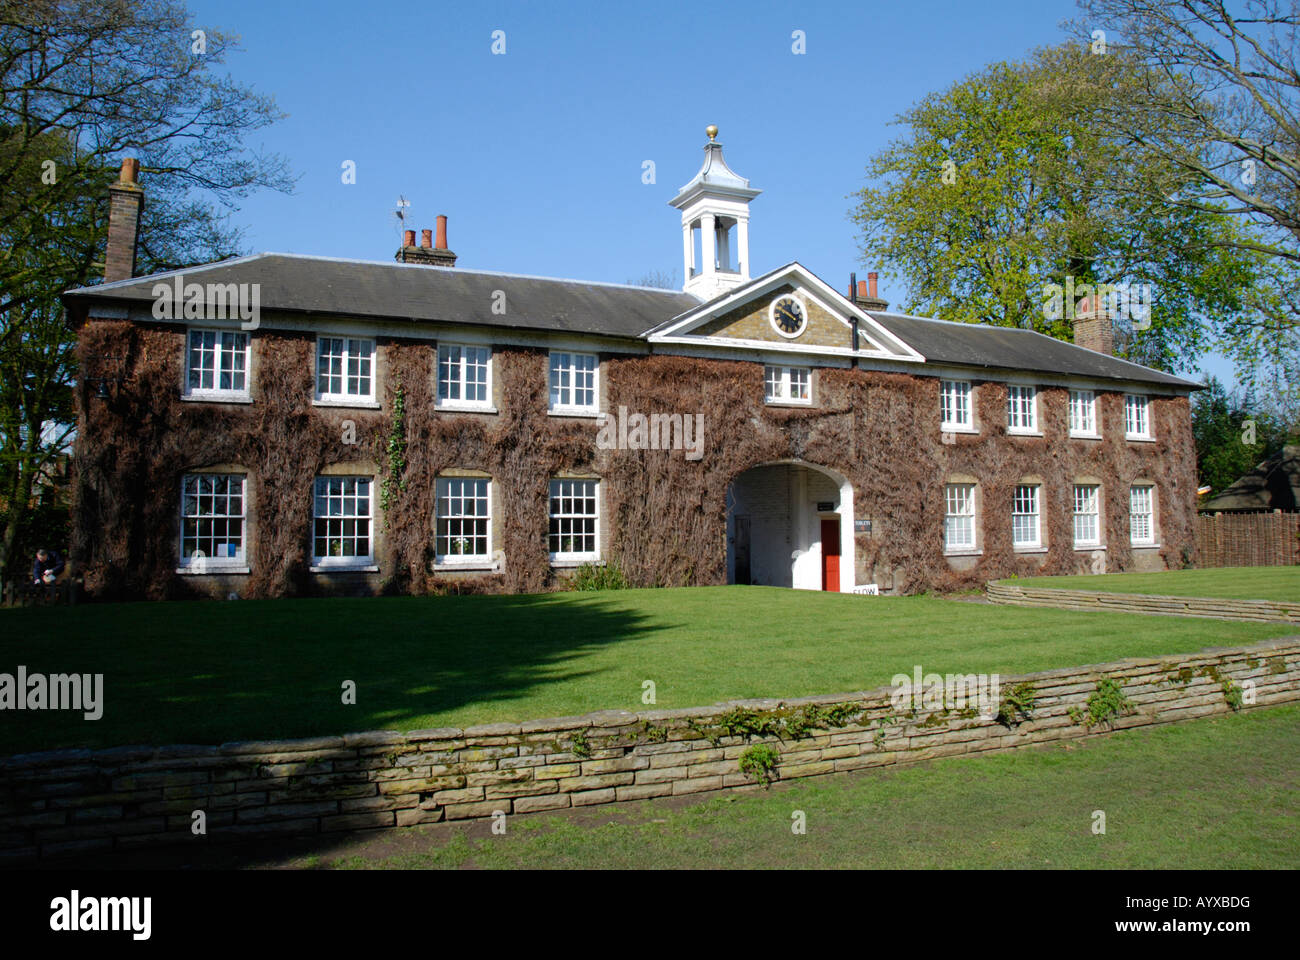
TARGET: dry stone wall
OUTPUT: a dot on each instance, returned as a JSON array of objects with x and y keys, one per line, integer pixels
[
  {"x": 79, "y": 802},
  {"x": 1220, "y": 608}
]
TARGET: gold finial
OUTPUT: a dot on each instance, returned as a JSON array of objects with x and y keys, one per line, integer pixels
[{"x": 712, "y": 131}]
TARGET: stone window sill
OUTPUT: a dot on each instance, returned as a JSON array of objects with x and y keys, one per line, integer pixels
[
  {"x": 344, "y": 568},
  {"x": 357, "y": 404},
  {"x": 216, "y": 398},
  {"x": 212, "y": 570},
  {"x": 451, "y": 566},
  {"x": 463, "y": 408}
]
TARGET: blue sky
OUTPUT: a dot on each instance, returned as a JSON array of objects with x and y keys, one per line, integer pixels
[{"x": 536, "y": 156}]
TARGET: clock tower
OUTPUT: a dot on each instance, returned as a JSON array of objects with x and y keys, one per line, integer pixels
[{"x": 715, "y": 225}]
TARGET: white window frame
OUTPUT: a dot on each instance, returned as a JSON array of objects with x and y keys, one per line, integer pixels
[
  {"x": 1084, "y": 401},
  {"x": 210, "y": 562},
  {"x": 1148, "y": 516},
  {"x": 1091, "y": 509},
  {"x": 960, "y": 512},
  {"x": 782, "y": 378},
  {"x": 1015, "y": 404},
  {"x": 220, "y": 351},
  {"x": 572, "y": 556},
  {"x": 1027, "y": 507},
  {"x": 460, "y": 403},
  {"x": 1135, "y": 405},
  {"x": 561, "y": 363},
  {"x": 341, "y": 561},
  {"x": 354, "y": 349},
  {"x": 956, "y": 396},
  {"x": 443, "y": 491}
]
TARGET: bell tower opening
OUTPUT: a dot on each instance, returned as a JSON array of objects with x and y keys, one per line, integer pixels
[{"x": 715, "y": 225}]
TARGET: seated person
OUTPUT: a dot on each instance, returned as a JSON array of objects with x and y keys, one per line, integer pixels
[{"x": 47, "y": 568}]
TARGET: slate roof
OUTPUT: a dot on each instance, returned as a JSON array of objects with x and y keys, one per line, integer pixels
[
  {"x": 416, "y": 292},
  {"x": 1010, "y": 348},
  {"x": 1272, "y": 485}
]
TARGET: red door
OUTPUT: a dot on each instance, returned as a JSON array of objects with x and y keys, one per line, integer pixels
[{"x": 831, "y": 554}]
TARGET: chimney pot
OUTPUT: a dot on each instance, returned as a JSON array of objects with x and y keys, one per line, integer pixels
[
  {"x": 862, "y": 289},
  {"x": 408, "y": 238},
  {"x": 426, "y": 239},
  {"x": 871, "y": 281},
  {"x": 130, "y": 172},
  {"x": 442, "y": 232}
]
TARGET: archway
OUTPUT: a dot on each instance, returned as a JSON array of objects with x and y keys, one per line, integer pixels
[{"x": 790, "y": 524}]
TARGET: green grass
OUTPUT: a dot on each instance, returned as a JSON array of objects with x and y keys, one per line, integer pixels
[
  {"x": 217, "y": 671},
  {"x": 1236, "y": 583},
  {"x": 1213, "y": 794}
]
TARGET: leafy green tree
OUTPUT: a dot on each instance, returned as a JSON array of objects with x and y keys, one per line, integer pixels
[
  {"x": 1232, "y": 434},
  {"x": 1217, "y": 94},
  {"x": 1009, "y": 182},
  {"x": 82, "y": 84}
]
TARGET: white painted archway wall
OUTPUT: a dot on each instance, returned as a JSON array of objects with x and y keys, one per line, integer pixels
[{"x": 805, "y": 556}]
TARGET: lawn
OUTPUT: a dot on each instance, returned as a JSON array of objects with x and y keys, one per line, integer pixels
[
  {"x": 208, "y": 672},
  {"x": 1236, "y": 583},
  {"x": 1210, "y": 794}
]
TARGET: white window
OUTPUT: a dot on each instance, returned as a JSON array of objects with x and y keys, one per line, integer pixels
[
  {"x": 464, "y": 531},
  {"x": 574, "y": 520},
  {"x": 1137, "y": 423},
  {"x": 959, "y": 517},
  {"x": 463, "y": 376},
  {"x": 345, "y": 369},
  {"x": 212, "y": 520},
  {"x": 1022, "y": 409},
  {"x": 954, "y": 402},
  {"x": 1087, "y": 515},
  {"x": 1025, "y": 525},
  {"x": 217, "y": 364},
  {"x": 787, "y": 384},
  {"x": 1140, "y": 521},
  {"x": 342, "y": 528},
  {"x": 1083, "y": 413},
  {"x": 573, "y": 382}
]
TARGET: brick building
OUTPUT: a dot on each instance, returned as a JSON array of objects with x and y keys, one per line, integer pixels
[{"x": 279, "y": 424}]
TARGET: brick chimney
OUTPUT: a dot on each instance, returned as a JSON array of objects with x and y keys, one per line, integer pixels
[
  {"x": 125, "y": 202},
  {"x": 863, "y": 293},
  {"x": 1093, "y": 326},
  {"x": 429, "y": 253}
]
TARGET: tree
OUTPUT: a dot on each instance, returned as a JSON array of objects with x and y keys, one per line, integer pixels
[
  {"x": 1004, "y": 194},
  {"x": 83, "y": 83},
  {"x": 1232, "y": 434},
  {"x": 1217, "y": 93}
]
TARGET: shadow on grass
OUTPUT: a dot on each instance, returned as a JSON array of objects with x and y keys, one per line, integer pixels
[{"x": 206, "y": 672}]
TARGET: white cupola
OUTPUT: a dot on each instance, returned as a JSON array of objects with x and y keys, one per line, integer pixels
[{"x": 715, "y": 225}]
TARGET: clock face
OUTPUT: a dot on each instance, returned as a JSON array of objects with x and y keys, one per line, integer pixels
[{"x": 788, "y": 317}]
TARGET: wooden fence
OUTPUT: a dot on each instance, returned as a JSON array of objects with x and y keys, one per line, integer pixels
[{"x": 1247, "y": 539}]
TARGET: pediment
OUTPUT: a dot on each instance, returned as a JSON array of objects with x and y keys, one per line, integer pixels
[{"x": 787, "y": 310}]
